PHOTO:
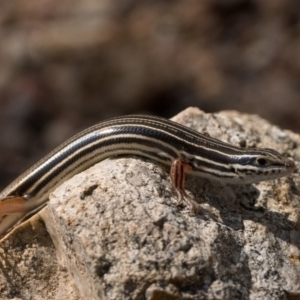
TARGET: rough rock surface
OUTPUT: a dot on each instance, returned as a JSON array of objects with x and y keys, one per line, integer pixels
[
  {"x": 29, "y": 268},
  {"x": 119, "y": 232}
]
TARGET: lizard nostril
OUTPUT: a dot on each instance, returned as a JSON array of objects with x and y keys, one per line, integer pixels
[{"x": 290, "y": 164}]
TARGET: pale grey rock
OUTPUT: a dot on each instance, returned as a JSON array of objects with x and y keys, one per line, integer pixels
[
  {"x": 29, "y": 268},
  {"x": 118, "y": 229}
]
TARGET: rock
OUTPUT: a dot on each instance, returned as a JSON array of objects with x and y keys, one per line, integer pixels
[
  {"x": 29, "y": 268},
  {"x": 119, "y": 232}
]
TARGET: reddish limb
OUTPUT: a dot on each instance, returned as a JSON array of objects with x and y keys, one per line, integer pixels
[
  {"x": 177, "y": 173},
  {"x": 12, "y": 205}
]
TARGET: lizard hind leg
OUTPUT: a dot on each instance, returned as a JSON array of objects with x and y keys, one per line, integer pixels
[
  {"x": 12, "y": 211},
  {"x": 14, "y": 204}
]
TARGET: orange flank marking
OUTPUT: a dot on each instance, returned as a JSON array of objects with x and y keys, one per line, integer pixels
[{"x": 12, "y": 205}]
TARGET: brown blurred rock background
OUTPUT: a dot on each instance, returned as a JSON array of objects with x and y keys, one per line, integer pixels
[{"x": 65, "y": 65}]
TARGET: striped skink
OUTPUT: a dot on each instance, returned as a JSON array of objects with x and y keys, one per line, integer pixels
[{"x": 164, "y": 141}]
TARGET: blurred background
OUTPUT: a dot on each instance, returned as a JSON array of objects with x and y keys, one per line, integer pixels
[{"x": 65, "y": 65}]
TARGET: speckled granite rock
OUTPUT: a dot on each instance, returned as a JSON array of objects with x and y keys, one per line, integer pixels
[
  {"x": 29, "y": 268},
  {"x": 119, "y": 232}
]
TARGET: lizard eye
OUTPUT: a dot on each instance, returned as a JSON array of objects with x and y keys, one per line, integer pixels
[{"x": 261, "y": 161}]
